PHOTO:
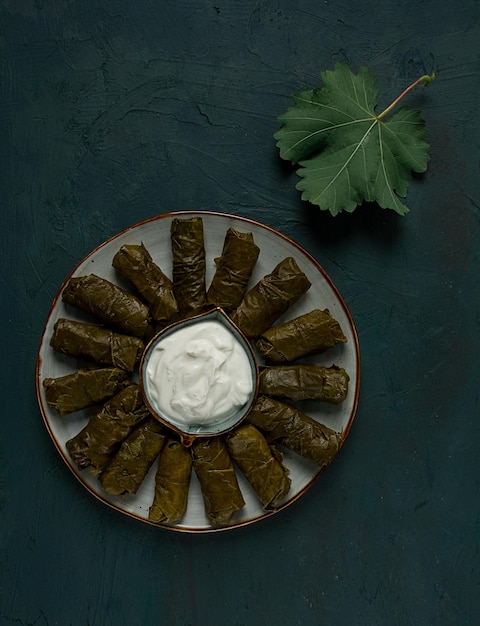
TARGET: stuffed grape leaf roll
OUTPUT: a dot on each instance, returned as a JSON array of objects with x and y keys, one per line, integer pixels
[
  {"x": 102, "y": 436},
  {"x": 172, "y": 483},
  {"x": 311, "y": 333},
  {"x": 96, "y": 344},
  {"x": 135, "y": 263},
  {"x": 233, "y": 270},
  {"x": 284, "y": 424},
  {"x": 189, "y": 265},
  {"x": 272, "y": 296},
  {"x": 110, "y": 304},
  {"x": 83, "y": 388},
  {"x": 218, "y": 481},
  {"x": 304, "y": 382},
  {"x": 260, "y": 463},
  {"x": 128, "y": 468}
]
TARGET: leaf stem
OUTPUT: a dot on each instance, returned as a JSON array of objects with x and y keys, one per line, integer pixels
[{"x": 426, "y": 78}]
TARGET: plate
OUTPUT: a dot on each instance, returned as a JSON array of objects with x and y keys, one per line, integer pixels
[{"x": 154, "y": 233}]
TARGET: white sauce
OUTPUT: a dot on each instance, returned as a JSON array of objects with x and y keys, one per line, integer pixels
[{"x": 199, "y": 374}]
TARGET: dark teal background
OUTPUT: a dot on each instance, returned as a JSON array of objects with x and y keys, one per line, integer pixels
[{"x": 116, "y": 111}]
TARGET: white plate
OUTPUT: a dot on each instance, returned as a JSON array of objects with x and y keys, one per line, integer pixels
[{"x": 274, "y": 247}]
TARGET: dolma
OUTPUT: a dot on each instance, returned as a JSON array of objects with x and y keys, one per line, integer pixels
[
  {"x": 172, "y": 483},
  {"x": 304, "y": 382},
  {"x": 274, "y": 294},
  {"x": 100, "y": 439},
  {"x": 110, "y": 304},
  {"x": 261, "y": 465},
  {"x": 135, "y": 263},
  {"x": 188, "y": 272},
  {"x": 97, "y": 344},
  {"x": 233, "y": 270},
  {"x": 218, "y": 481},
  {"x": 83, "y": 388},
  {"x": 128, "y": 468},
  {"x": 284, "y": 424},
  {"x": 311, "y": 333}
]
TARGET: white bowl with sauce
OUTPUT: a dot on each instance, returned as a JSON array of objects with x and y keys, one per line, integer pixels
[{"x": 199, "y": 376}]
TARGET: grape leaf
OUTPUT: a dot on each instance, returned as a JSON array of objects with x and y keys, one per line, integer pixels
[{"x": 346, "y": 152}]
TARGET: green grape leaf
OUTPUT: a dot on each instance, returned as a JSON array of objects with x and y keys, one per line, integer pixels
[{"x": 346, "y": 152}]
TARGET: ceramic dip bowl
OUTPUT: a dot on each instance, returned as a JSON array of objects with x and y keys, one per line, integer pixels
[{"x": 199, "y": 376}]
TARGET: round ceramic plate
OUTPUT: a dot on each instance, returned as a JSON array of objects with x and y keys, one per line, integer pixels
[{"x": 274, "y": 247}]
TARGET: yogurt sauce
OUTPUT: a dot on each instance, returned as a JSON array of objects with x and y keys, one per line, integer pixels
[{"x": 199, "y": 374}]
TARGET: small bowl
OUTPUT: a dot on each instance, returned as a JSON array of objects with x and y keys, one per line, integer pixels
[{"x": 188, "y": 432}]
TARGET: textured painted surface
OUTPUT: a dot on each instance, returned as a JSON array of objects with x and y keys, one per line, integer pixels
[{"x": 114, "y": 111}]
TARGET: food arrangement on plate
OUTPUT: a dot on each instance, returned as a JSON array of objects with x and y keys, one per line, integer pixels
[{"x": 194, "y": 383}]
